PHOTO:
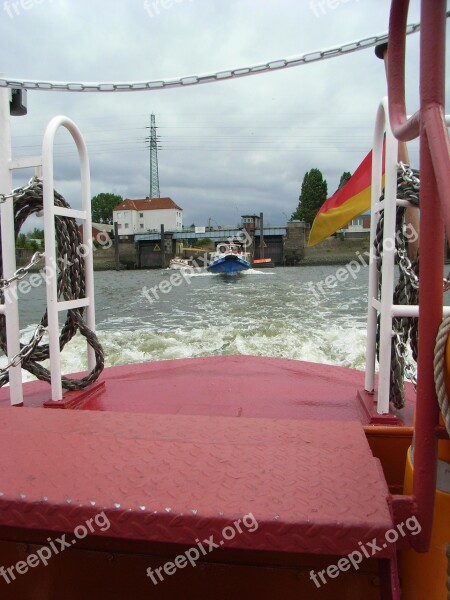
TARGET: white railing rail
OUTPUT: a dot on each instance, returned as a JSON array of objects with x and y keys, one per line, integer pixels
[
  {"x": 384, "y": 305},
  {"x": 50, "y": 211},
  {"x": 10, "y": 308}
]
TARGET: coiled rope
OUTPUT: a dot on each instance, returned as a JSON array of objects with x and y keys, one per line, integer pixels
[
  {"x": 28, "y": 200},
  {"x": 439, "y": 370}
]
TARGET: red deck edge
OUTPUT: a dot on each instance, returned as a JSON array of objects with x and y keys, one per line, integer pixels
[{"x": 240, "y": 386}]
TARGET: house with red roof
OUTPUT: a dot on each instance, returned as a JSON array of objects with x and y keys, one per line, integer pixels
[{"x": 148, "y": 214}]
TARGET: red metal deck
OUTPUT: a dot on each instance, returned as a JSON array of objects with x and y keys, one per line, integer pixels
[
  {"x": 176, "y": 451},
  {"x": 314, "y": 487},
  {"x": 239, "y": 386}
]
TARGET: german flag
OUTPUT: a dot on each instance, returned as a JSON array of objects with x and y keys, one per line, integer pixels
[{"x": 348, "y": 202}]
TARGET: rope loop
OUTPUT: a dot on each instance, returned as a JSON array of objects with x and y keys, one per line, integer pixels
[
  {"x": 439, "y": 365},
  {"x": 27, "y": 201}
]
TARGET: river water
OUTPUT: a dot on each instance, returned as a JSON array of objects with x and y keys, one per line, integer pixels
[{"x": 273, "y": 312}]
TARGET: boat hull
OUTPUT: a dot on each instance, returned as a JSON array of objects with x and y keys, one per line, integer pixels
[{"x": 230, "y": 263}]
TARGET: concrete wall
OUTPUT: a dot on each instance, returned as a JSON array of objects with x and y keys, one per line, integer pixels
[{"x": 295, "y": 242}]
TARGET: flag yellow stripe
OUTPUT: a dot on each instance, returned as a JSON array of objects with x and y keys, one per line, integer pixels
[{"x": 326, "y": 223}]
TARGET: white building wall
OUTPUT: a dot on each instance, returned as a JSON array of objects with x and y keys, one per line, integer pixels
[
  {"x": 138, "y": 221},
  {"x": 171, "y": 218},
  {"x": 124, "y": 220}
]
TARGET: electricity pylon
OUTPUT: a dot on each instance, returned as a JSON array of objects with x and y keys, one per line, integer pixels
[{"x": 153, "y": 147}]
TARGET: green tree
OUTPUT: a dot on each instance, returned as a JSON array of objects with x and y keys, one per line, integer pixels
[
  {"x": 36, "y": 234},
  {"x": 35, "y": 239},
  {"x": 21, "y": 240},
  {"x": 102, "y": 207},
  {"x": 204, "y": 242},
  {"x": 313, "y": 194},
  {"x": 344, "y": 178}
]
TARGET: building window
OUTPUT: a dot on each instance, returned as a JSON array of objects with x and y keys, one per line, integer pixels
[
  {"x": 141, "y": 215},
  {"x": 119, "y": 215},
  {"x": 126, "y": 225},
  {"x": 141, "y": 225}
]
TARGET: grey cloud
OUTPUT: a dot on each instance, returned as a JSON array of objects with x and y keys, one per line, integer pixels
[{"x": 230, "y": 147}]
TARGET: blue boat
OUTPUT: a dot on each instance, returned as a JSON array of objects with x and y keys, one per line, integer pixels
[{"x": 229, "y": 258}]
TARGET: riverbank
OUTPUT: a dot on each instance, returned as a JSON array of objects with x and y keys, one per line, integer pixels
[
  {"x": 104, "y": 258},
  {"x": 329, "y": 252},
  {"x": 334, "y": 251}
]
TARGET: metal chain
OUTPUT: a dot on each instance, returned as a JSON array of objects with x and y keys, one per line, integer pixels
[
  {"x": 26, "y": 351},
  {"x": 410, "y": 175},
  {"x": 406, "y": 290},
  {"x": 407, "y": 267},
  {"x": 22, "y": 271},
  {"x": 4, "y": 198},
  {"x": 16, "y": 191},
  {"x": 273, "y": 65},
  {"x": 401, "y": 350},
  {"x": 447, "y": 283}
]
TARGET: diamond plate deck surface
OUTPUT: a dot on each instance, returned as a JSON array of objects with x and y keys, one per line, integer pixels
[
  {"x": 314, "y": 487},
  {"x": 240, "y": 386}
]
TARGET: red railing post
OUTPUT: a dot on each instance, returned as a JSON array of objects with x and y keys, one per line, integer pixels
[{"x": 434, "y": 205}]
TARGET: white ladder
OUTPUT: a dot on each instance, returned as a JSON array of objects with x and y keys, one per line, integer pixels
[
  {"x": 10, "y": 309},
  {"x": 385, "y": 304}
]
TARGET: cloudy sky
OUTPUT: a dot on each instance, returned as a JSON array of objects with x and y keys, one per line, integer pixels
[{"x": 228, "y": 148}]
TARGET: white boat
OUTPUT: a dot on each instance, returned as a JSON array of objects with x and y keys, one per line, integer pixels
[
  {"x": 229, "y": 258},
  {"x": 180, "y": 263}
]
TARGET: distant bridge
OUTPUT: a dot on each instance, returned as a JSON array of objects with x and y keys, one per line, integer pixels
[{"x": 149, "y": 244}]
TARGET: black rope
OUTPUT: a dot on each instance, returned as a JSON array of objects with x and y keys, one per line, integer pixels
[{"x": 70, "y": 286}]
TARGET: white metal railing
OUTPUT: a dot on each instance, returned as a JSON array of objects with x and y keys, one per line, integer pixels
[
  {"x": 10, "y": 308},
  {"x": 50, "y": 211},
  {"x": 384, "y": 305}
]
